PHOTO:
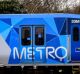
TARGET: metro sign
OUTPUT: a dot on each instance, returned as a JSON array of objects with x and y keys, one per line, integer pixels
[{"x": 27, "y": 53}]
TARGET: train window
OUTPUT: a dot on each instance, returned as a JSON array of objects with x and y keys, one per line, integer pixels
[
  {"x": 39, "y": 35},
  {"x": 26, "y": 35},
  {"x": 75, "y": 34}
]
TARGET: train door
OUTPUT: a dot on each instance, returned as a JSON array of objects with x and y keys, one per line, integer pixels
[
  {"x": 33, "y": 40},
  {"x": 25, "y": 44},
  {"x": 39, "y": 44},
  {"x": 75, "y": 42}
]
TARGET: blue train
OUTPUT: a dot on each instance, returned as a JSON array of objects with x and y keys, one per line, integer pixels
[{"x": 48, "y": 39}]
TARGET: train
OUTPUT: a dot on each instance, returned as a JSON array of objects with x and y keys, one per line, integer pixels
[{"x": 39, "y": 39}]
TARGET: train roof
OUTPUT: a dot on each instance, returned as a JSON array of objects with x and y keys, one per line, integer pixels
[{"x": 47, "y": 15}]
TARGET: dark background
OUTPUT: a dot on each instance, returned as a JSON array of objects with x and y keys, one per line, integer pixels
[{"x": 39, "y": 6}]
